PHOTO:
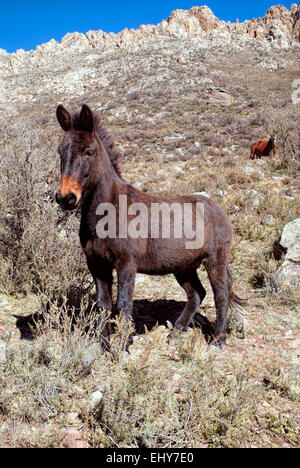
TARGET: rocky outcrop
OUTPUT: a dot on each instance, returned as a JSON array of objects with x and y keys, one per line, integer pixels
[
  {"x": 70, "y": 67},
  {"x": 288, "y": 276}
]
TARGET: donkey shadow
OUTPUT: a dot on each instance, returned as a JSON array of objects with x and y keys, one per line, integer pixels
[{"x": 146, "y": 315}]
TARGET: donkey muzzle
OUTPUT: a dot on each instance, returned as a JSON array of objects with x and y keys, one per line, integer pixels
[
  {"x": 69, "y": 193},
  {"x": 67, "y": 202}
]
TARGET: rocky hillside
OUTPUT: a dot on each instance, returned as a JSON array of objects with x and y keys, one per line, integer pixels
[
  {"x": 72, "y": 65},
  {"x": 184, "y": 100}
]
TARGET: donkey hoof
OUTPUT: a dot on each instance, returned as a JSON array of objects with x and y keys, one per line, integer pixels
[
  {"x": 129, "y": 342},
  {"x": 217, "y": 341},
  {"x": 173, "y": 335},
  {"x": 105, "y": 344},
  {"x": 180, "y": 327}
]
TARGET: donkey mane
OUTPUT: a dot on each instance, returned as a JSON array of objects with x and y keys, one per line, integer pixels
[{"x": 114, "y": 154}]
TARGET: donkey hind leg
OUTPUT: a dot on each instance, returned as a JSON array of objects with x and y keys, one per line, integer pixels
[
  {"x": 221, "y": 286},
  {"x": 196, "y": 293}
]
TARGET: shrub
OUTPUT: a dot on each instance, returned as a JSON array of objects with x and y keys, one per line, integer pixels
[{"x": 38, "y": 243}]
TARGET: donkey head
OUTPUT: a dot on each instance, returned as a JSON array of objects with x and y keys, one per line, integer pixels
[{"x": 79, "y": 151}]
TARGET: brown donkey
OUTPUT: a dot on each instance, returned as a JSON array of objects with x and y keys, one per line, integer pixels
[
  {"x": 263, "y": 148},
  {"x": 90, "y": 177}
]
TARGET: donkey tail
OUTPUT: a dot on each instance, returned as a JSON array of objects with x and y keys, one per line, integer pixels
[{"x": 236, "y": 303}]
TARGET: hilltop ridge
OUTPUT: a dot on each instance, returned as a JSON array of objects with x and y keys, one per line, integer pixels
[
  {"x": 72, "y": 66},
  {"x": 279, "y": 26}
]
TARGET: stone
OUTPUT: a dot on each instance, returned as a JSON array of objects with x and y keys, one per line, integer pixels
[
  {"x": 288, "y": 275},
  {"x": 182, "y": 60},
  {"x": 203, "y": 194},
  {"x": 71, "y": 438},
  {"x": 271, "y": 64},
  {"x": 254, "y": 198},
  {"x": 178, "y": 170},
  {"x": 170, "y": 157},
  {"x": 291, "y": 234},
  {"x": 251, "y": 171},
  {"x": 269, "y": 220},
  {"x": 2, "y": 352},
  {"x": 220, "y": 97},
  {"x": 140, "y": 278},
  {"x": 73, "y": 417},
  {"x": 95, "y": 398},
  {"x": 221, "y": 193}
]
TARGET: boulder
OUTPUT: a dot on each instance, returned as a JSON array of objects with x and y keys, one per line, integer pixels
[
  {"x": 220, "y": 97},
  {"x": 288, "y": 275},
  {"x": 2, "y": 352}
]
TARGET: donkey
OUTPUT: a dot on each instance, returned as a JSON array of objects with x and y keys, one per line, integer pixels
[
  {"x": 90, "y": 177},
  {"x": 263, "y": 148}
]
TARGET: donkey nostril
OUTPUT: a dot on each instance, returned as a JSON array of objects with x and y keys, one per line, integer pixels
[
  {"x": 71, "y": 199},
  {"x": 67, "y": 202}
]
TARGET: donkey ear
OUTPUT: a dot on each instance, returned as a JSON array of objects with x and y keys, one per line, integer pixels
[
  {"x": 64, "y": 118},
  {"x": 86, "y": 119}
]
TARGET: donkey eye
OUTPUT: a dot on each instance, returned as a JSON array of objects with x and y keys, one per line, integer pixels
[{"x": 88, "y": 152}]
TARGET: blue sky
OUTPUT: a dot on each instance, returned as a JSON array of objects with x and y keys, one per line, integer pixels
[{"x": 26, "y": 24}]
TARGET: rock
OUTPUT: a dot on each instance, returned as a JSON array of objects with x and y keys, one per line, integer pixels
[
  {"x": 295, "y": 344},
  {"x": 170, "y": 157},
  {"x": 73, "y": 417},
  {"x": 173, "y": 139},
  {"x": 269, "y": 220},
  {"x": 288, "y": 275},
  {"x": 221, "y": 193},
  {"x": 291, "y": 235},
  {"x": 2, "y": 352},
  {"x": 178, "y": 170},
  {"x": 220, "y": 97},
  {"x": 254, "y": 198},
  {"x": 71, "y": 438},
  {"x": 176, "y": 377},
  {"x": 140, "y": 278},
  {"x": 95, "y": 398},
  {"x": 277, "y": 179},
  {"x": 203, "y": 194},
  {"x": 251, "y": 171},
  {"x": 182, "y": 60},
  {"x": 272, "y": 64}
]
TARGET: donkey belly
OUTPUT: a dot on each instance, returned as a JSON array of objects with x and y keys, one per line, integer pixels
[{"x": 168, "y": 257}]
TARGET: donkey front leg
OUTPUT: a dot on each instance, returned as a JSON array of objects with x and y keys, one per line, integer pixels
[
  {"x": 126, "y": 271},
  {"x": 103, "y": 280}
]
